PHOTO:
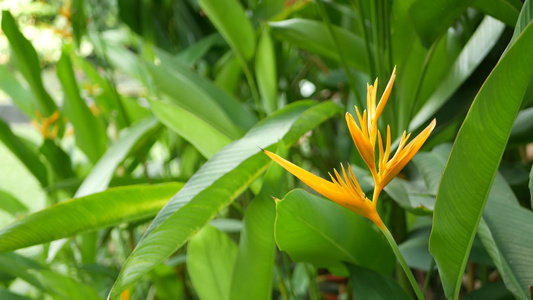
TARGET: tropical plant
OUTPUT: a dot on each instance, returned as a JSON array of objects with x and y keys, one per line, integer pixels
[{"x": 147, "y": 173}]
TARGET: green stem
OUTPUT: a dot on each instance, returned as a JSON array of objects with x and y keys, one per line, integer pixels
[
  {"x": 429, "y": 56},
  {"x": 351, "y": 81},
  {"x": 428, "y": 276},
  {"x": 361, "y": 19},
  {"x": 402, "y": 262},
  {"x": 252, "y": 85}
]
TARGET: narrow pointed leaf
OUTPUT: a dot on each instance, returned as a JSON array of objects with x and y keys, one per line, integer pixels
[
  {"x": 102, "y": 172},
  {"x": 474, "y": 161},
  {"x": 112, "y": 207},
  {"x": 265, "y": 72},
  {"x": 471, "y": 56},
  {"x": 28, "y": 64},
  {"x": 313, "y": 36},
  {"x": 216, "y": 184},
  {"x": 204, "y": 137},
  {"x": 241, "y": 116},
  {"x": 89, "y": 132},
  {"x": 230, "y": 20}
]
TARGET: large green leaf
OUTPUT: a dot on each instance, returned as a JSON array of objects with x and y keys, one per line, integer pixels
[
  {"x": 432, "y": 18},
  {"x": 216, "y": 184},
  {"x": 28, "y": 157},
  {"x": 474, "y": 161},
  {"x": 471, "y": 56},
  {"x": 230, "y": 20},
  {"x": 313, "y": 229},
  {"x": 255, "y": 258},
  {"x": 368, "y": 284},
  {"x": 28, "y": 64},
  {"x": 89, "y": 132},
  {"x": 102, "y": 172},
  {"x": 204, "y": 137},
  {"x": 112, "y": 207},
  {"x": 314, "y": 36},
  {"x": 210, "y": 260}
]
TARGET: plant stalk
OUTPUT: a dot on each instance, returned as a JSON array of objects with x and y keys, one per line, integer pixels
[{"x": 401, "y": 260}]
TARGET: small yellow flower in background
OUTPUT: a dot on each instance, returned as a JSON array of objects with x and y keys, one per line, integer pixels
[
  {"x": 347, "y": 192},
  {"x": 46, "y": 126}
]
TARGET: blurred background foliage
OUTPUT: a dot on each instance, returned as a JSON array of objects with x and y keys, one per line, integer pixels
[{"x": 150, "y": 114}]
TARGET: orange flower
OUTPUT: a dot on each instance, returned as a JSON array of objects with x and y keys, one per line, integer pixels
[
  {"x": 47, "y": 126},
  {"x": 347, "y": 192}
]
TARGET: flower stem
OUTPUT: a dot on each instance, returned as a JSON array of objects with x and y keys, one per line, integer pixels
[{"x": 402, "y": 262}]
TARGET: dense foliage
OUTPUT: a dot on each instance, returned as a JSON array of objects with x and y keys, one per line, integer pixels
[{"x": 131, "y": 149}]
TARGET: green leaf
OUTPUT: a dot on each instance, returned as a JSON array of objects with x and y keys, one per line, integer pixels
[
  {"x": 525, "y": 17},
  {"x": 20, "y": 267},
  {"x": 216, "y": 184},
  {"x": 210, "y": 259},
  {"x": 499, "y": 9},
  {"x": 24, "y": 154},
  {"x": 7, "y": 295},
  {"x": 204, "y": 137},
  {"x": 183, "y": 92},
  {"x": 102, "y": 172},
  {"x": 65, "y": 287},
  {"x": 112, "y": 207},
  {"x": 89, "y": 132},
  {"x": 232, "y": 107},
  {"x": 471, "y": 56},
  {"x": 21, "y": 96},
  {"x": 11, "y": 204},
  {"x": 230, "y": 20},
  {"x": 257, "y": 247},
  {"x": 58, "y": 158},
  {"x": 431, "y": 19},
  {"x": 28, "y": 64},
  {"x": 505, "y": 231},
  {"x": 229, "y": 74},
  {"x": 313, "y": 36},
  {"x": 193, "y": 53},
  {"x": 265, "y": 72},
  {"x": 313, "y": 229},
  {"x": 368, "y": 284},
  {"x": 522, "y": 128},
  {"x": 474, "y": 161}
]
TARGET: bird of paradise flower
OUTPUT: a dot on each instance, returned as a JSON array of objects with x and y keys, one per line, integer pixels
[{"x": 347, "y": 191}]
